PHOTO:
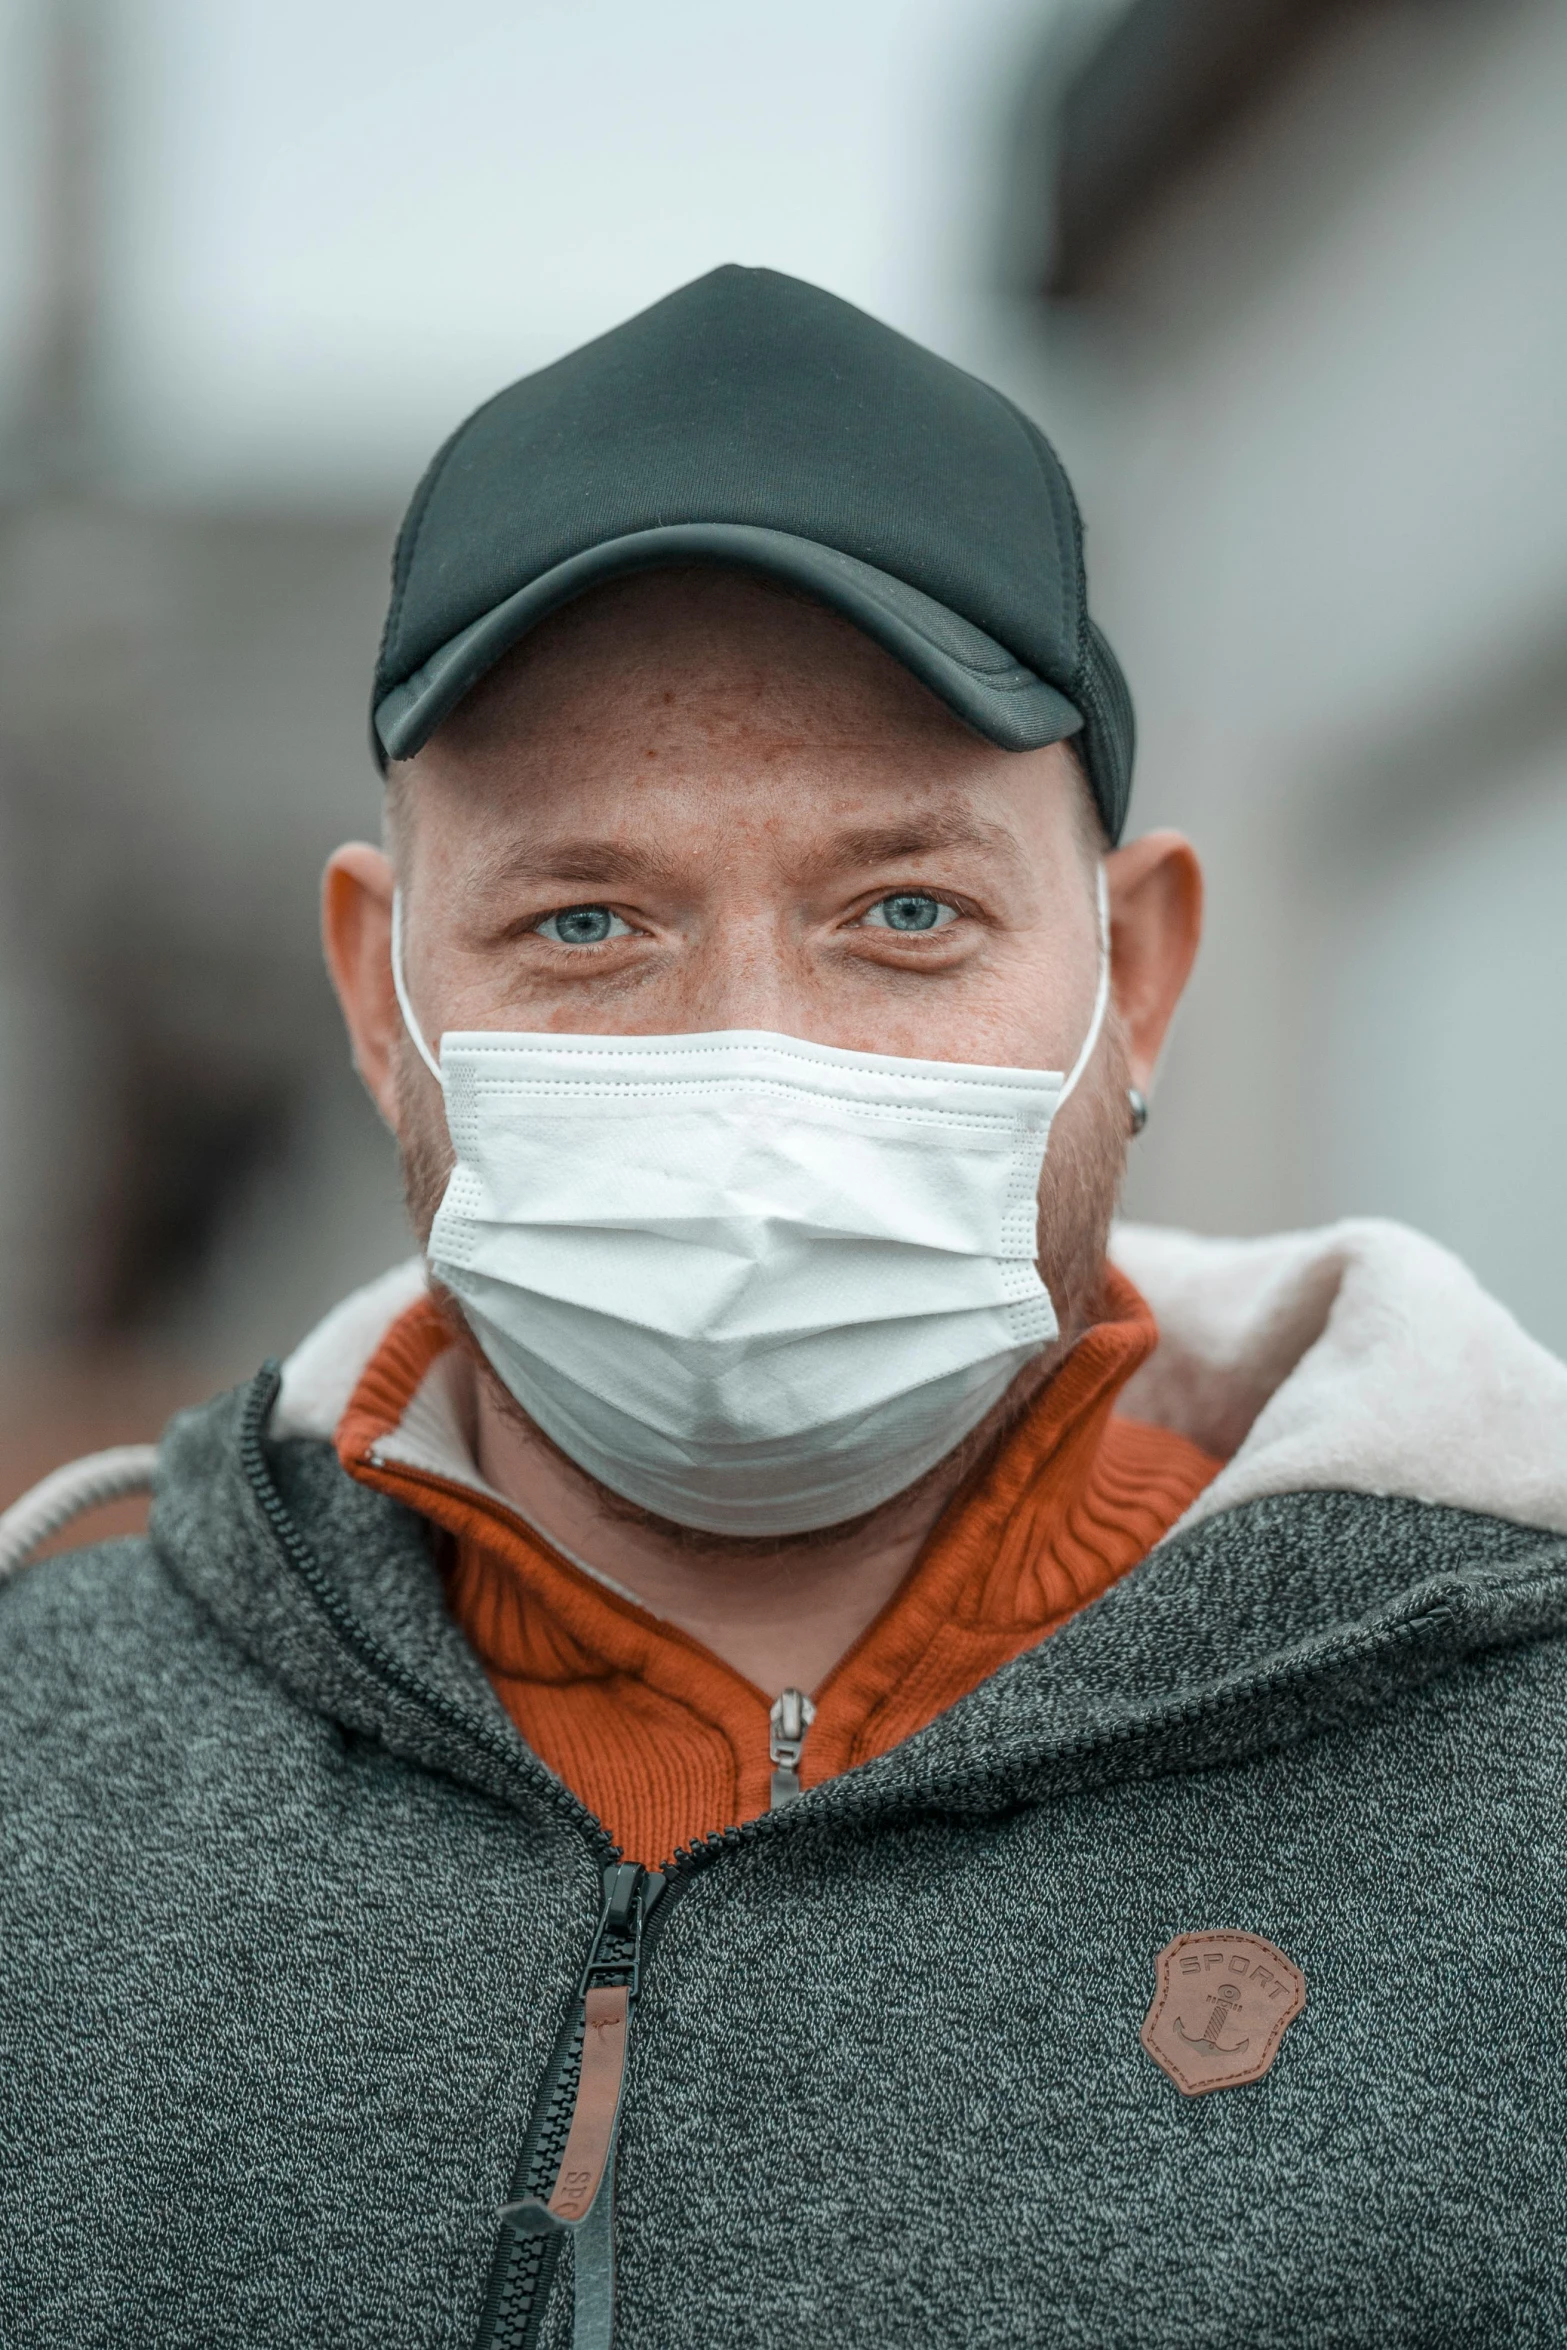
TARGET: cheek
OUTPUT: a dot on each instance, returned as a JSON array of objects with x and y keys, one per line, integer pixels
[
  {"x": 1027, "y": 1006},
  {"x": 991, "y": 1019},
  {"x": 423, "y": 1143}
]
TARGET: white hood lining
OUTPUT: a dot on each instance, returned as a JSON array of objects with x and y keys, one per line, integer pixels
[{"x": 1361, "y": 1358}]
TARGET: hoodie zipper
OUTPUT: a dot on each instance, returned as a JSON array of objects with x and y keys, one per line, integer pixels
[
  {"x": 565, "y": 2178},
  {"x": 606, "y": 1998}
]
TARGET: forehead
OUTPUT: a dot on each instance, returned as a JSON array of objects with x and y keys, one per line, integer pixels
[{"x": 705, "y": 697}]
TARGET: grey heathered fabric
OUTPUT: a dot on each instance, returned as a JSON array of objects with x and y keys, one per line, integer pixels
[{"x": 291, "y": 1920}]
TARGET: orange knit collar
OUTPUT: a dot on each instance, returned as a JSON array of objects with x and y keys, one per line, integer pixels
[{"x": 1064, "y": 1505}]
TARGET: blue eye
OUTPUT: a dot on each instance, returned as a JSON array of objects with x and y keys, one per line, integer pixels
[
  {"x": 910, "y": 910},
  {"x": 582, "y": 926}
]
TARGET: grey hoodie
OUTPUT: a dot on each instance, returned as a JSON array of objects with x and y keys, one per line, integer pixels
[{"x": 295, "y": 1927}]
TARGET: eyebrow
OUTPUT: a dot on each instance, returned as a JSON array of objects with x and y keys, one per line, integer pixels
[
  {"x": 917, "y": 836},
  {"x": 598, "y": 864},
  {"x": 593, "y": 862}
]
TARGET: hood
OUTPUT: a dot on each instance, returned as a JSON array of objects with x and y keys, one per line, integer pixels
[{"x": 1396, "y": 1469}]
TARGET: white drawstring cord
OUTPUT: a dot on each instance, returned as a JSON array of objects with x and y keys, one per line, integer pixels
[{"x": 81, "y": 1485}]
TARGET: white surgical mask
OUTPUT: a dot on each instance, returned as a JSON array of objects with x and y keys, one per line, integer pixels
[{"x": 754, "y": 1284}]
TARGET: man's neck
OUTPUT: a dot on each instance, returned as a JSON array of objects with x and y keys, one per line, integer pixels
[{"x": 780, "y": 1618}]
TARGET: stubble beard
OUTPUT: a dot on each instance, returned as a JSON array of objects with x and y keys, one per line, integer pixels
[{"x": 1079, "y": 1189}]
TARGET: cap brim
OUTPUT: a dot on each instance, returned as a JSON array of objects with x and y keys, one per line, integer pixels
[{"x": 977, "y": 678}]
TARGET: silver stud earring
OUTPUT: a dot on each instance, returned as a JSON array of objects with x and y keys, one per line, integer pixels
[{"x": 1139, "y": 1104}]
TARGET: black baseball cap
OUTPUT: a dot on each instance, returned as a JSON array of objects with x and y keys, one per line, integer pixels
[{"x": 755, "y": 422}]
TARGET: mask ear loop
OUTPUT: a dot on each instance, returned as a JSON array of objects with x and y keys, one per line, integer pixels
[
  {"x": 1101, "y": 995},
  {"x": 410, "y": 1022}
]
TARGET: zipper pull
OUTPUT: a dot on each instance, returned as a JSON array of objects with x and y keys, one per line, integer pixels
[
  {"x": 789, "y": 1720},
  {"x": 582, "y": 2199},
  {"x": 609, "y": 1987}
]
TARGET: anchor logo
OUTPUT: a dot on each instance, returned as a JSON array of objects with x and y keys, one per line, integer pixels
[
  {"x": 1242, "y": 1993},
  {"x": 1225, "y": 2001}
]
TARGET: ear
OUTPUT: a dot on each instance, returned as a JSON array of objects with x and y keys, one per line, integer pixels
[
  {"x": 1155, "y": 923},
  {"x": 356, "y": 931}
]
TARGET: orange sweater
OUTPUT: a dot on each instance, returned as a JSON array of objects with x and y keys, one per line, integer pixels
[{"x": 663, "y": 1740}]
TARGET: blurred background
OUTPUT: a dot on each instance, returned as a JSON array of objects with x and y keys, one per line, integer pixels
[{"x": 1283, "y": 279}]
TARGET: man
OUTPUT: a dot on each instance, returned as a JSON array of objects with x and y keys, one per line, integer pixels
[{"x": 767, "y": 1742}]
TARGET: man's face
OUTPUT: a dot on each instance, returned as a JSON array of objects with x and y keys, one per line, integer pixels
[{"x": 691, "y": 803}]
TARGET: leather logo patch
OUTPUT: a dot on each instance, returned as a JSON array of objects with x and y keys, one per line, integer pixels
[{"x": 1221, "y": 2006}]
